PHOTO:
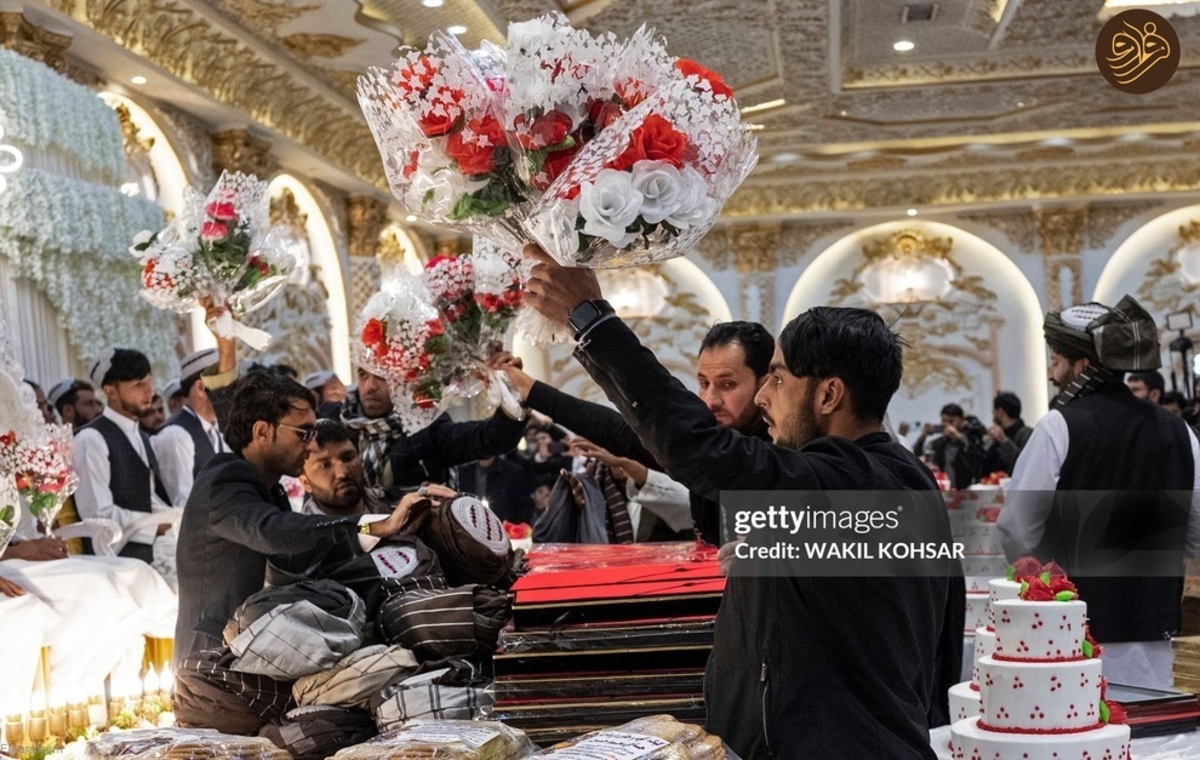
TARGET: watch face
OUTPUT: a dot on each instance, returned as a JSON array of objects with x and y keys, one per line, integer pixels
[{"x": 582, "y": 315}]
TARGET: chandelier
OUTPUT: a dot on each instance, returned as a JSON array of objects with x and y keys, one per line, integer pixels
[
  {"x": 905, "y": 269},
  {"x": 634, "y": 293},
  {"x": 10, "y": 160}
]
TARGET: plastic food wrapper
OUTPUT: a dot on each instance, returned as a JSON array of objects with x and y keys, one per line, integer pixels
[
  {"x": 650, "y": 185},
  {"x": 445, "y": 153},
  {"x": 444, "y": 740},
  {"x": 220, "y": 247},
  {"x": 657, "y": 737},
  {"x": 181, "y": 744}
]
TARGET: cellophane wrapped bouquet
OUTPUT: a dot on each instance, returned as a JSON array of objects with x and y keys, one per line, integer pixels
[
  {"x": 36, "y": 458},
  {"x": 221, "y": 248},
  {"x": 434, "y": 116},
  {"x": 431, "y": 335},
  {"x": 652, "y": 183}
]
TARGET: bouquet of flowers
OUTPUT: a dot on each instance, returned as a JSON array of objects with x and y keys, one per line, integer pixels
[
  {"x": 42, "y": 467},
  {"x": 434, "y": 119},
  {"x": 431, "y": 336},
  {"x": 220, "y": 248},
  {"x": 651, "y": 184},
  {"x": 401, "y": 338}
]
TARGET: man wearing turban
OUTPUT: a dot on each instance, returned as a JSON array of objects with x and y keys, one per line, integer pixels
[{"x": 1107, "y": 487}]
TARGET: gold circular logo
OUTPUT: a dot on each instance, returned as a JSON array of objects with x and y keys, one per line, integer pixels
[{"x": 1137, "y": 51}]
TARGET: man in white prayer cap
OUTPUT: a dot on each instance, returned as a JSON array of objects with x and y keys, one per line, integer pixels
[
  {"x": 75, "y": 402},
  {"x": 173, "y": 393},
  {"x": 192, "y": 436},
  {"x": 118, "y": 471}
]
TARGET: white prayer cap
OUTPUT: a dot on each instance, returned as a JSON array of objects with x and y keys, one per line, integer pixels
[
  {"x": 316, "y": 381},
  {"x": 198, "y": 362},
  {"x": 101, "y": 367},
  {"x": 58, "y": 391},
  {"x": 172, "y": 388}
]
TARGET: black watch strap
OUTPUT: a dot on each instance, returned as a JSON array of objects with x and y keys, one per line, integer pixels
[{"x": 587, "y": 313}]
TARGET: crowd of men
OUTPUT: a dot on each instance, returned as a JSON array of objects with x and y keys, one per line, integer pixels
[{"x": 866, "y": 661}]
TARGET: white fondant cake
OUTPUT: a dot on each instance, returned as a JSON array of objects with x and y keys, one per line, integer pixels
[
  {"x": 981, "y": 538},
  {"x": 985, "y": 644},
  {"x": 977, "y": 611},
  {"x": 964, "y": 702},
  {"x": 958, "y": 521},
  {"x": 978, "y": 584},
  {"x": 991, "y": 565},
  {"x": 1039, "y": 696},
  {"x": 1000, "y": 588}
]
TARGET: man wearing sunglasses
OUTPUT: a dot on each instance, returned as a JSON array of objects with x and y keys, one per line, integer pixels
[{"x": 238, "y": 515}]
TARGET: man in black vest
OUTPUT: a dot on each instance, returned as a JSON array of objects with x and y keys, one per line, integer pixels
[
  {"x": 801, "y": 667},
  {"x": 75, "y": 402},
  {"x": 191, "y": 437},
  {"x": 238, "y": 514},
  {"x": 118, "y": 471},
  {"x": 1098, "y": 437}
]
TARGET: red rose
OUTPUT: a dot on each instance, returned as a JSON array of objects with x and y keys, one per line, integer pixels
[
  {"x": 416, "y": 77},
  {"x": 555, "y": 164},
  {"x": 655, "y": 140},
  {"x": 223, "y": 212},
  {"x": 474, "y": 147},
  {"x": 437, "y": 260},
  {"x": 435, "y": 328},
  {"x": 602, "y": 113},
  {"x": 546, "y": 130},
  {"x": 691, "y": 68},
  {"x": 630, "y": 91},
  {"x": 1026, "y": 567},
  {"x": 1117, "y": 714},
  {"x": 1097, "y": 650},
  {"x": 374, "y": 332},
  {"x": 1059, "y": 584},
  {"x": 1036, "y": 590},
  {"x": 23, "y": 481},
  {"x": 439, "y": 120},
  {"x": 1054, "y": 570},
  {"x": 422, "y": 400},
  {"x": 213, "y": 231}
]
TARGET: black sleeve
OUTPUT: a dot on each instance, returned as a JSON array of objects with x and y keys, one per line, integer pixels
[
  {"x": 460, "y": 442},
  {"x": 681, "y": 433},
  {"x": 602, "y": 426},
  {"x": 240, "y": 515}
]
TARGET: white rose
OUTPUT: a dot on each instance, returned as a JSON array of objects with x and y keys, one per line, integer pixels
[
  {"x": 609, "y": 205},
  {"x": 695, "y": 207},
  {"x": 661, "y": 187}
]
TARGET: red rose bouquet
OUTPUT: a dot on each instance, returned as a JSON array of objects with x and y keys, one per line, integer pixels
[
  {"x": 221, "y": 248},
  {"x": 650, "y": 185},
  {"x": 42, "y": 464},
  {"x": 445, "y": 153}
]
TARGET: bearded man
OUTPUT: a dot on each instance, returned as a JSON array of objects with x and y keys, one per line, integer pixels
[{"x": 1100, "y": 438}]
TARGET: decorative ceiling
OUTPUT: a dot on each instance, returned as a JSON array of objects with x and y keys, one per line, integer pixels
[{"x": 997, "y": 101}]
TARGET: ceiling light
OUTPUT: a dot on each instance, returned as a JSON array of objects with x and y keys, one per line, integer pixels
[
  {"x": 764, "y": 106},
  {"x": 902, "y": 46},
  {"x": 432, "y": 3},
  {"x": 785, "y": 158},
  {"x": 755, "y": 127},
  {"x": 139, "y": 79},
  {"x": 843, "y": 113},
  {"x": 1020, "y": 104},
  {"x": 457, "y": 29},
  {"x": 410, "y": 218},
  {"x": 911, "y": 212}
]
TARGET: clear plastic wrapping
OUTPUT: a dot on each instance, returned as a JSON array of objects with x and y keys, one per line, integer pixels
[
  {"x": 221, "y": 247},
  {"x": 655, "y": 737},
  {"x": 651, "y": 184},
  {"x": 444, "y": 740},
  {"x": 181, "y": 744},
  {"x": 445, "y": 152},
  {"x": 596, "y": 637}
]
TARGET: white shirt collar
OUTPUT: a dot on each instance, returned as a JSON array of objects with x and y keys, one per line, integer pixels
[
  {"x": 127, "y": 425},
  {"x": 208, "y": 426}
]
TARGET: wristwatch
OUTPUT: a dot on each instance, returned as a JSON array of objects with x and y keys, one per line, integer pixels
[{"x": 585, "y": 314}]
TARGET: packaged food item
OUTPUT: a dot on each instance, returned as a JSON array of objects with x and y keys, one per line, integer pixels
[
  {"x": 657, "y": 737},
  {"x": 444, "y": 740}
]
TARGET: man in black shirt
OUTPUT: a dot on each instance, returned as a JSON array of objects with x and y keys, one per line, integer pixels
[{"x": 801, "y": 667}]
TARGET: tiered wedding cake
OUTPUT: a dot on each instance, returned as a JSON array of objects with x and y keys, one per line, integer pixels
[
  {"x": 1041, "y": 690},
  {"x": 964, "y": 697}
]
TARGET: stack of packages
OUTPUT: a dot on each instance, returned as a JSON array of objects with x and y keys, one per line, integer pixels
[
  {"x": 605, "y": 152},
  {"x": 346, "y": 645},
  {"x": 604, "y": 634}
]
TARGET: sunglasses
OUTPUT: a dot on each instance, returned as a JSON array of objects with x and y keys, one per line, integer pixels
[{"x": 306, "y": 434}]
